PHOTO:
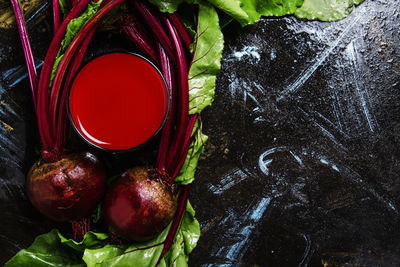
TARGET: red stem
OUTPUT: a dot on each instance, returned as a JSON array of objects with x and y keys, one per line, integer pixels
[
  {"x": 155, "y": 26},
  {"x": 167, "y": 130},
  {"x": 44, "y": 123},
  {"x": 26, "y": 45},
  {"x": 183, "y": 197},
  {"x": 74, "y": 45},
  {"x": 177, "y": 22},
  {"x": 138, "y": 36},
  {"x": 56, "y": 15},
  {"x": 180, "y": 158},
  {"x": 62, "y": 121},
  {"x": 183, "y": 95}
]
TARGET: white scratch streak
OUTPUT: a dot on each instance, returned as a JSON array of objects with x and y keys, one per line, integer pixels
[{"x": 305, "y": 75}]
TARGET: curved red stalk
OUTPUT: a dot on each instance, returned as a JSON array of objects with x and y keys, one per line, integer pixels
[
  {"x": 183, "y": 96},
  {"x": 44, "y": 123},
  {"x": 56, "y": 15},
  {"x": 140, "y": 38},
  {"x": 167, "y": 130},
  {"x": 182, "y": 202},
  {"x": 62, "y": 67},
  {"x": 62, "y": 121},
  {"x": 177, "y": 165},
  {"x": 180, "y": 27},
  {"x": 155, "y": 26},
  {"x": 30, "y": 62}
]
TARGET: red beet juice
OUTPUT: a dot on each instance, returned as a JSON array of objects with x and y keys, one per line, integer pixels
[{"x": 118, "y": 101}]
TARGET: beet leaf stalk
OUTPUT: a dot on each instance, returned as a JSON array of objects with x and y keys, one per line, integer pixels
[
  {"x": 26, "y": 45},
  {"x": 74, "y": 45},
  {"x": 167, "y": 130},
  {"x": 51, "y": 183},
  {"x": 138, "y": 36},
  {"x": 183, "y": 99},
  {"x": 62, "y": 121},
  {"x": 169, "y": 240},
  {"x": 155, "y": 26},
  {"x": 50, "y": 108},
  {"x": 180, "y": 27},
  {"x": 56, "y": 15},
  {"x": 45, "y": 129},
  {"x": 177, "y": 133}
]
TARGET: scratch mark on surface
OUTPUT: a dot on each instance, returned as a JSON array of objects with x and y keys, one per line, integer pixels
[
  {"x": 355, "y": 177},
  {"x": 337, "y": 127},
  {"x": 323, "y": 130},
  {"x": 264, "y": 163},
  {"x": 9, "y": 161},
  {"x": 329, "y": 135},
  {"x": 297, "y": 158},
  {"x": 229, "y": 180},
  {"x": 305, "y": 75},
  {"x": 242, "y": 233},
  {"x": 351, "y": 50},
  {"x": 260, "y": 209},
  {"x": 307, "y": 252},
  {"x": 327, "y": 163}
]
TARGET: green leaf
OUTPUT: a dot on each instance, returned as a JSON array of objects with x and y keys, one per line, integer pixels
[
  {"x": 207, "y": 60},
  {"x": 186, "y": 174},
  {"x": 250, "y": 11},
  {"x": 185, "y": 241},
  {"x": 64, "y": 7},
  {"x": 147, "y": 253},
  {"x": 326, "y": 10},
  {"x": 90, "y": 240},
  {"x": 72, "y": 30},
  {"x": 46, "y": 250},
  {"x": 94, "y": 257},
  {"x": 135, "y": 254},
  {"x": 169, "y": 6},
  {"x": 76, "y": 24},
  {"x": 190, "y": 229},
  {"x": 96, "y": 214}
]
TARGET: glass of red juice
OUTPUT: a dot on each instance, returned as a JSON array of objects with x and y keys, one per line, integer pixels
[{"x": 118, "y": 102}]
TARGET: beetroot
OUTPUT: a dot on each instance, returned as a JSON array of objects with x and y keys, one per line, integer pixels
[
  {"x": 62, "y": 187},
  {"x": 68, "y": 189},
  {"x": 140, "y": 204}
]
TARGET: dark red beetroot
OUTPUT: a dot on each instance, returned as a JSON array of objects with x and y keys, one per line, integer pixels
[
  {"x": 68, "y": 189},
  {"x": 65, "y": 187},
  {"x": 139, "y": 204}
]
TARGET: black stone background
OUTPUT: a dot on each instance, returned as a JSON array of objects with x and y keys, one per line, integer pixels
[{"x": 303, "y": 161}]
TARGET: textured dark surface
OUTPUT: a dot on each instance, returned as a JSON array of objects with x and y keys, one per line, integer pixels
[{"x": 302, "y": 167}]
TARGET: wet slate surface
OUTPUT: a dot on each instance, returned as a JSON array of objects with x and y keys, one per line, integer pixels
[{"x": 303, "y": 161}]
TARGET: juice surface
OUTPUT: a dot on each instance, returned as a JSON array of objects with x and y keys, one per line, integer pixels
[{"x": 118, "y": 101}]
